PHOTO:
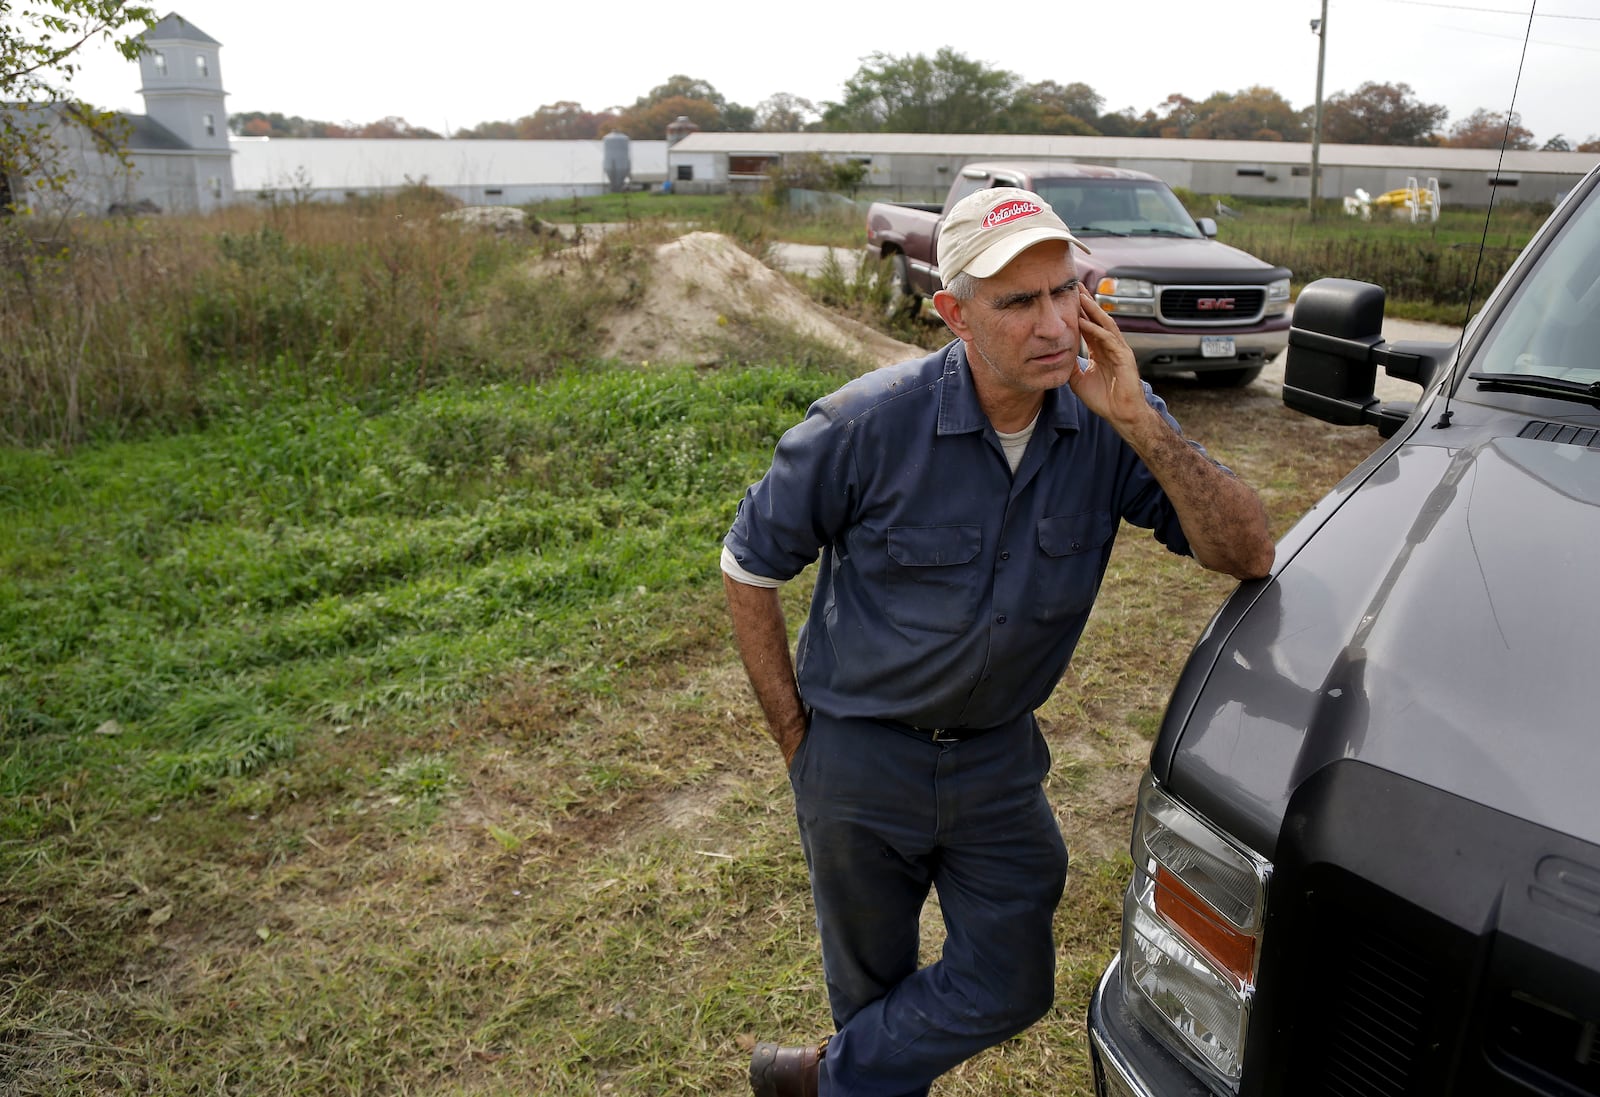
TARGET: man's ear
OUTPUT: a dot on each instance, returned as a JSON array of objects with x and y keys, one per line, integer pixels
[{"x": 950, "y": 309}]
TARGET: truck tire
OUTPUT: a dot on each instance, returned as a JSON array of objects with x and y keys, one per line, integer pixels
[
  {"x": 1228, "y": 378},
  {"x": 903, "y": 300}
]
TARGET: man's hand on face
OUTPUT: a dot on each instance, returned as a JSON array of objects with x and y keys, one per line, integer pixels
[{"x": 1110, "y": 386}]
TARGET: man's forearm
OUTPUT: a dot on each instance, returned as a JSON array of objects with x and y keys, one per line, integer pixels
[
  {"x": 763, "y": 640},
  {"x": 1221, "y": 515}
]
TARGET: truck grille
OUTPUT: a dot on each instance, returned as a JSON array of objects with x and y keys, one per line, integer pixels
[
  {"x": 1394, "y": 966},
  {"x": 1220, "y": 305},
  {"x": 1378, "y": 1021}
]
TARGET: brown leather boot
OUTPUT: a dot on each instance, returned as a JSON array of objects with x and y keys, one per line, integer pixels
[{"x": 785, "y": 1071}]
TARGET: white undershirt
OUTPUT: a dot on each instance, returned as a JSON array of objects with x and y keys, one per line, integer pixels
[{"x": 1014, "y": 446}]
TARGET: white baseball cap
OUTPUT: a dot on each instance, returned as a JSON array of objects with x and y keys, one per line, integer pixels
[{"x": 989, "y": 228}]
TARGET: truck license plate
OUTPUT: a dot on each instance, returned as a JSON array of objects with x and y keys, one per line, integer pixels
[{"x": 1216, "y": 346}]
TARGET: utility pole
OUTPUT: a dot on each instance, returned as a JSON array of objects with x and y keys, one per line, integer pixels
[{"x": 1319, "y": 27}]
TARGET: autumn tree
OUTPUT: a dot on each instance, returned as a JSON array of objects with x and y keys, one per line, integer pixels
[
  {"x": 947, "y": 93},
  {"x": 490, "y": 131},
  {"x": 393, "y": 126},
  {"x": 273, "y": 124},
  {"x": 1591, "y": 145},
  {"x": 1049, "y": 107},
  {"x": 39, "y": 45},
  {"x": 737, "y": 117},
  {"x": 683, "y": 87},
  {"x": 1254, "y": 114},
  {"x": 256, "y": 123},
  {"x": 1484, "y": 129},
  {"x": 1381, "y": 114},
  {"x": 1122, "y": 123},
  {"x": 785, "y": 113},
  {"x": 563, "y": 121},
  {"x": 649, "y": 123},
  {"x": 1173, "y": 118},
  {"x": 681, "y": 96}
]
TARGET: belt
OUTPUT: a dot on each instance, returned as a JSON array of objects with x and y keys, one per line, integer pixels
[{"x": 946, "y": 735}]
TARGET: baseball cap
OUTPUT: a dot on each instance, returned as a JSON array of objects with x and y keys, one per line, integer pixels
[{"x": 989, "y": 228}]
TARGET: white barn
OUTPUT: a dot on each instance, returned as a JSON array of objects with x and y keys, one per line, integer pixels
[
  {"x": 919, "y": 166},
  {"x": 178, "y": 149},
  {"x": 479, "y": 173}
]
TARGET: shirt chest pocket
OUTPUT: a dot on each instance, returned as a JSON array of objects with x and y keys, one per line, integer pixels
[
  {"x": 1071, "y": 560},
  {"x": 933, "y": 582}
]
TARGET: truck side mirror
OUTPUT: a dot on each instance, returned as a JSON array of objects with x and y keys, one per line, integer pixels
[
  {"x": 1208, "y": 227},
  {"x": 1335, "y": 347}
]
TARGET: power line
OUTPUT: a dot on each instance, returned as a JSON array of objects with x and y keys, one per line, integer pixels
[
  {"x": 1494, "y": 11},
  {"x": 1534, "y": 41}
]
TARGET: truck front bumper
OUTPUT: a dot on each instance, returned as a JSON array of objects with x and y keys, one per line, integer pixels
[
  {"x": 1128, "y": 1061},
  {"x": 1162, "y": 353}
]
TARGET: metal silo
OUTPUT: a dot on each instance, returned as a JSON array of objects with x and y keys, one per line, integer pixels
[{"x": 616, "y": 159}]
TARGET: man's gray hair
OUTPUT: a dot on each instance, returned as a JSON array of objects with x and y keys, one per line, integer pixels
[{"x": 963, "y": 287}]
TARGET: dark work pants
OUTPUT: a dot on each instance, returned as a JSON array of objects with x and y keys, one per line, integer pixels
[{"x": 885, "y": 814}]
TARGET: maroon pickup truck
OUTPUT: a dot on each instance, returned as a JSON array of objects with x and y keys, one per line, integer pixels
[{"x": 1186, "y": 303}]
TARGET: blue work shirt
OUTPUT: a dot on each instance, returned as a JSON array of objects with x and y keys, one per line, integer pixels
[{"x": 952, "y": 592}]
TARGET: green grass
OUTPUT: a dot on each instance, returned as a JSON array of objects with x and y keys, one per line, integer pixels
[
  {"x": 388, "y": 737},
  {"x": 251, "y": 645},
  {"x": 318, "y": 563},
  {"x": 404, "y": 750}
]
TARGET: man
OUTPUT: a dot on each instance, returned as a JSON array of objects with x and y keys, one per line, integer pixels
[{"x": 964, "y": 506}]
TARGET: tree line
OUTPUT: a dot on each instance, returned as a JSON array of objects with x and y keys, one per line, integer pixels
[{"x": 950, "y": 93}]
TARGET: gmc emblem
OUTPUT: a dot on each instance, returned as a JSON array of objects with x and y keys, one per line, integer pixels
[{"x": 1214, "y": 304}]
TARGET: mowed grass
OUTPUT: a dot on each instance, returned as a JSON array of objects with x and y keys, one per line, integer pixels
[{"x": 398, "y": 745}]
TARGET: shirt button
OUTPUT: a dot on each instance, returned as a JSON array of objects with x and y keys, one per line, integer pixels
[
  {"x": 1005, "y": 556},
  {"x": 1000, "y": 619},
  {"x": 1076, "y": 545}
]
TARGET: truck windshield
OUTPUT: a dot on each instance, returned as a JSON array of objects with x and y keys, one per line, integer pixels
[
  {"x": 1126, "y": 207},
  {"x": 1551, "y": 328}
]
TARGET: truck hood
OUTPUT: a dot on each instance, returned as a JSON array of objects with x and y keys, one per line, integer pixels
[
  {"x": 1159, "y": 257},
  {"x": 1439, "y": 626}
]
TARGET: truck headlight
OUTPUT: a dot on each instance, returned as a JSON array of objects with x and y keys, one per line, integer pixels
[
  {"x": 1278, "y": 297},
  {"x": 1127, "y": 296},
  {"x": 1191, "y": 933}
]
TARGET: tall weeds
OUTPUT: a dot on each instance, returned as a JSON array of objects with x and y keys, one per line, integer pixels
[
  {"x": 107, "y": 327},
  {"x": 1409, "y": 265},
  {"x": 1432, "y": 270}
]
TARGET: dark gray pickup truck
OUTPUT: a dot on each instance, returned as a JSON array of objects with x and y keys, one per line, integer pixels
[
  {"x": 1367, "y": 850},
  {"x": 1185, "y": 302}
]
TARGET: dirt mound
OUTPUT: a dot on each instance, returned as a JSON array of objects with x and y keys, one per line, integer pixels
[{"x": 703, "y": 281}]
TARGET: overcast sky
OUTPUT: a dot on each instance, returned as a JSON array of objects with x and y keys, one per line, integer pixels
[{"x": 452, "y": 66}]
